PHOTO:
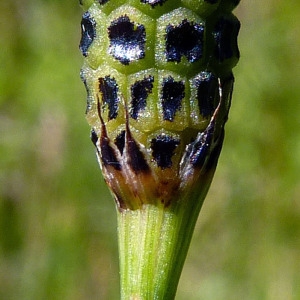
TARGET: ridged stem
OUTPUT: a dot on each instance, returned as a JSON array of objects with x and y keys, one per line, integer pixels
[{"x": 153, "y": 244}]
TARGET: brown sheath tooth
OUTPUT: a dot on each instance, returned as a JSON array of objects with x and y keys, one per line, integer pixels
[
  {"x": 94, "y": 138},
  {"x": 136, "y": 158},
  {"x": 201, "y": 146},
  {"x": 120, "y": 141},
  {"x": 198, "y": 154},
  {"x": 108, "y": 154}
]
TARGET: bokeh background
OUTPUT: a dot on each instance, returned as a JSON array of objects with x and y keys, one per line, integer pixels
[{"x": 57, "y": 219}]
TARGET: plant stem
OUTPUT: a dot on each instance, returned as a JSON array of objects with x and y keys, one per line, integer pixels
[{"x": 153, "y": 244}]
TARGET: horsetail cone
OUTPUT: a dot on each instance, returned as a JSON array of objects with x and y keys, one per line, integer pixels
[{"x": 158, "y": 75}]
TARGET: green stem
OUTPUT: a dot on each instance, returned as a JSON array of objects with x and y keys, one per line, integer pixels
[{"x": 153, "y": 244}]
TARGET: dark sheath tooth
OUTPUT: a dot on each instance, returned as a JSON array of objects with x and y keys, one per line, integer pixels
[
  {"x": 108, "y": 155},
  {"x": 120, "y": 141},
  {"x": 136, "y": 158}
]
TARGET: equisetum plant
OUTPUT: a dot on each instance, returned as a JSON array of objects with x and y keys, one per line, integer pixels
[{"x": 158, "y": 75}]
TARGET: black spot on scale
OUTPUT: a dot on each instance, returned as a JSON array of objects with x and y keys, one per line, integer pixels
[
  {"x": 109, "y": 89},
  {"x": 163, "y": 147},
  {"x": 225, "y": 35},
  {"x": 185, "y": 39},
  {"x": 211, "y": 1},
  {"x": 171, "y": 97},
  {"x": 127, "y": 40},
  {"x": 153, "y": 3},
  {"x": 207, "y": 89},
  {"x": 88, "y": 33},
  {"x": 139, "y": 93},
  {"x": 101, "y": 2}
]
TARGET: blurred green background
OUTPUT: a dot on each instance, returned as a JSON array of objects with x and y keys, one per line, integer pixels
[{"x": 57, "y": 219}]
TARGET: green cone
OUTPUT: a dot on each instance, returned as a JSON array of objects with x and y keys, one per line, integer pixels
[{"x": 159, "y": 84}]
